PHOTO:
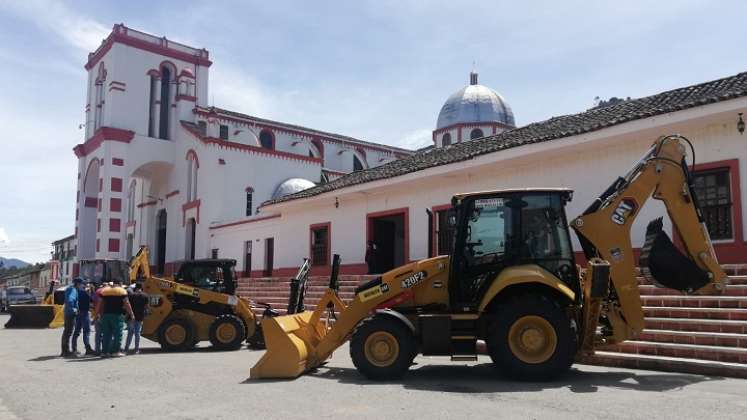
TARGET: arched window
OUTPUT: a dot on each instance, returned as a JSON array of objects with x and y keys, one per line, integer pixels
[
  {"x": 476, "y": 134},
  {"x": 267, "y": 139},
  {"x": 315, "y": 149},
  {"x": 153, "y": 75},
  {"x": 163, "y": 126},
  {"x": 131, "y": 202},
  {"x": 192, "y": 166},
  {"x": 357, "y": 164},
  {"x": 446, "y": 139},
  {"x": 99, "y": 98},
  {"x": 249, "y": 200}
]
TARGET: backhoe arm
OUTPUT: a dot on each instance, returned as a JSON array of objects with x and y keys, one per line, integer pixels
[
  {"x": 140, "y": 265},
  {"x": 604, "y": 232}
]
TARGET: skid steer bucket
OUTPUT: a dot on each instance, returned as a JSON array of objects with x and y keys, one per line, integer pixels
[
  {"x": 290, "y": 340},
  {"x": 664, "y": 265},
  {"x": 35, "y": 316}
]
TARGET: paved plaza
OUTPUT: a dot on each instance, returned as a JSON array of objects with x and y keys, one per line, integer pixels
[{"x": 36, "y": 384}]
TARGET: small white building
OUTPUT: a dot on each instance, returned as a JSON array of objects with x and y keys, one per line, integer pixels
[
  {"x": 401, "y": 205},
  {"x": 158, "y": 166}
]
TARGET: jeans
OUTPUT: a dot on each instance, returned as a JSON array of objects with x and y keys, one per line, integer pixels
[
  {"x": 133, "y": 328},
  {"x": 82, "y": 322},
  {"x": 98, "y": 335},
  {"x": 112, "y": 325},
  {"x": 67, "y": 332}
]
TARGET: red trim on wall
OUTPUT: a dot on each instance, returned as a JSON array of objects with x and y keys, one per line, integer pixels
[
  {"x": 434, "y": 236},
  {"x": 314, "y": 227},
  {"x": 249, "y": 189},
  {"x": 193, "y": 154},
  {"x": 172, "y": 193},
  {"x": 115, "y": 204},
  {"x": 130, "y": 224},
  {"x": 116, "y": 184},
  {"x": 117, "y": 88},
  {"x": 115, "y": 225},
  {"x": 119, "y": 35},
  {"x": 248, "y": 148},
  {"x": 147, "y": 203},
  {"x": 103, "y": 134},
  {"x": 117, "y": 162},
  {"x": 728, "y": 251},
  {"x": 194, "y": 204},
  {"x": 319, "y": 147},
  {"x": 186, "y": 98},
  {"x": 402, "y": 210},
  {"x": 243, "y": 222},
  {"x": 101, "y": 184}
]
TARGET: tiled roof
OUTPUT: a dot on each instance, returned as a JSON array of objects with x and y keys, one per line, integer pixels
[
  {"x": 554, "y": 128},
  {"x": 221, "y": 111}
]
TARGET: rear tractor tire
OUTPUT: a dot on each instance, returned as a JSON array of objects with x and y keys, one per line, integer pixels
[
  {"x": 383, "y": 348},
  {"x": 227, "y": 332},
  {"x": 176, "y": 334},
  {"x": 532, "y": 339}
]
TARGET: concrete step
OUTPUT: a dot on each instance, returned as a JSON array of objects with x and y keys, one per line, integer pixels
[
  {"x": 738, "y": 280},
  {"x": 651, "y": 290},
  {"x": 699, "y": 313},
  {"x": 697, "y": 325},
  {"x": 667, "y": 364},
  {"x": 691, "y": 351},
  {"x": 684, "y": 301},
  {"x": 695, "y": 337}
]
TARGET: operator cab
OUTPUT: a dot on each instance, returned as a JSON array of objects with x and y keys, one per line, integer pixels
[
  {"x": 217, "y": 275},
  {"x": 100, "y": 271},
  {"x": 507, "y": 228}
]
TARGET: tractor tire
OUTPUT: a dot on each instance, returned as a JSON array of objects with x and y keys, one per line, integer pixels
[
  {"x": 382, "y": 348},
  {"x": 176, "y": 334},
  {"x": 227, "y": 332},
  {"x": 531, "y": 339}
]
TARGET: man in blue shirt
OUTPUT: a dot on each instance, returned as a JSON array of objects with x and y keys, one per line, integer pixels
[
  {"x": 83, "y": 321},
  {"x": 71, "y": 313}
]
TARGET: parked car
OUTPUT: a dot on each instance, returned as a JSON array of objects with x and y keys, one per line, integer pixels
[
  {"x": 2, "y": 300},
  {"x": 17, "y": 295}
]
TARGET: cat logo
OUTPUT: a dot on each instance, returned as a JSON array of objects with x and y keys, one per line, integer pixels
[{"x": 625, "y": 209}]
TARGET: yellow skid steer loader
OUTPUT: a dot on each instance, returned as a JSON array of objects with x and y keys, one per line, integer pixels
[{"x": 512, "y": 281}]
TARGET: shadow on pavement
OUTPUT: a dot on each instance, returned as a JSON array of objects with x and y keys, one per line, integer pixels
[
  {"x": 44, "y": 358},
  {"x": 484, "y": 378}
]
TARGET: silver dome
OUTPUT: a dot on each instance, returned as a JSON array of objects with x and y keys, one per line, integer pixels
[
  {"x": 475, "y": 103},
  {"x": 291, "y": 186}
]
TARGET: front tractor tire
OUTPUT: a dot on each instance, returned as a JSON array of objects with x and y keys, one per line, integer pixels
[
  {"x": 227, "y": 332},
  {"x": 383, "y": 348},
  {"x": 531, "y": 339},
  {"x": 176, "y": 334}
]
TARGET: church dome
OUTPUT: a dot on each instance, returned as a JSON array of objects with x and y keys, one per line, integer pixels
[
  {"x": 292, "y": 186},
  {"x": 475, "y": 103}
]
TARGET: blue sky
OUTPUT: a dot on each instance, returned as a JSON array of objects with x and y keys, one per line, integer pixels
[{"x": 376, "y": 70}]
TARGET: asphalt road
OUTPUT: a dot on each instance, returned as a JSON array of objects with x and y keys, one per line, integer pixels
[{"x": 36, "y": 384}]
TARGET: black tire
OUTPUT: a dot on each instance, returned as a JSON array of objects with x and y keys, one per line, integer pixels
[
  {"x": 227, "y": 332},
  {"x": 539, "y": 361},
  {"x": 176, "y": 334},
  {"x": 394, "y": 336}
]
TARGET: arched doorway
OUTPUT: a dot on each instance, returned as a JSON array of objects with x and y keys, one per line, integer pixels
[
  {"x": 89, "y": 211},
  {"x": 190, "y": 245},
  {"x": 161, "y": 241}
]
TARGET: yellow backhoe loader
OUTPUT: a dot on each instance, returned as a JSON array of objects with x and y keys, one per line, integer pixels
[
  {"x": 198, "y": 304},
  {"x": 512, "y": 281}
]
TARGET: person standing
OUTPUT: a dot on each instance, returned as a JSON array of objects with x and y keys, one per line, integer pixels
[
  {"x": 83, "y": 321},
  {"x": 370, "y": 256},
  {"x": 97, "y": 330},
  {"x": 71, "y": 312},
  {"x": 139, "y": 303},
  {"x": 112, "y": 307}
]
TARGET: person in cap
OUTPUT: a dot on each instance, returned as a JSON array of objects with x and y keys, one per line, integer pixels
[
  {"x": 70, "y": 312},
  {"x": 83, "y": 321},
  {"x": 112, "y": 307}
]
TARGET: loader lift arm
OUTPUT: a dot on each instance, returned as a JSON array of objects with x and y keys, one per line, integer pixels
[{"x": 604, "y": 232}]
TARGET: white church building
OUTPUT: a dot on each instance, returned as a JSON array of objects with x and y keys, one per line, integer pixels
[{"x": 161, "y": 168}]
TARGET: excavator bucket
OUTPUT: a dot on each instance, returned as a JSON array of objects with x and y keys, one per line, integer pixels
[
  {"x": 664, "y": 265},
  {"x": 35, "y": 316},
  {"x": 290, "y": 340}
]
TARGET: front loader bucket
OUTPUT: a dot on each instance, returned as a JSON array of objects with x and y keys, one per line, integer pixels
[
  {"x": 664, "y": 265},
  {"x": 290, "y": 341},
  {"x": 35, "y": 316}
]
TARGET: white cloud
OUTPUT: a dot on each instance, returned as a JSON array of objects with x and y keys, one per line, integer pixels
[
  {"x": 416, "y": 139},
  {"x": 4, "y": 239},
  {"x": 79, "y": 31}
]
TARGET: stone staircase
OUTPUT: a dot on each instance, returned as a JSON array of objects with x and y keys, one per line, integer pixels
[{"x": 692, "y": 334}]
